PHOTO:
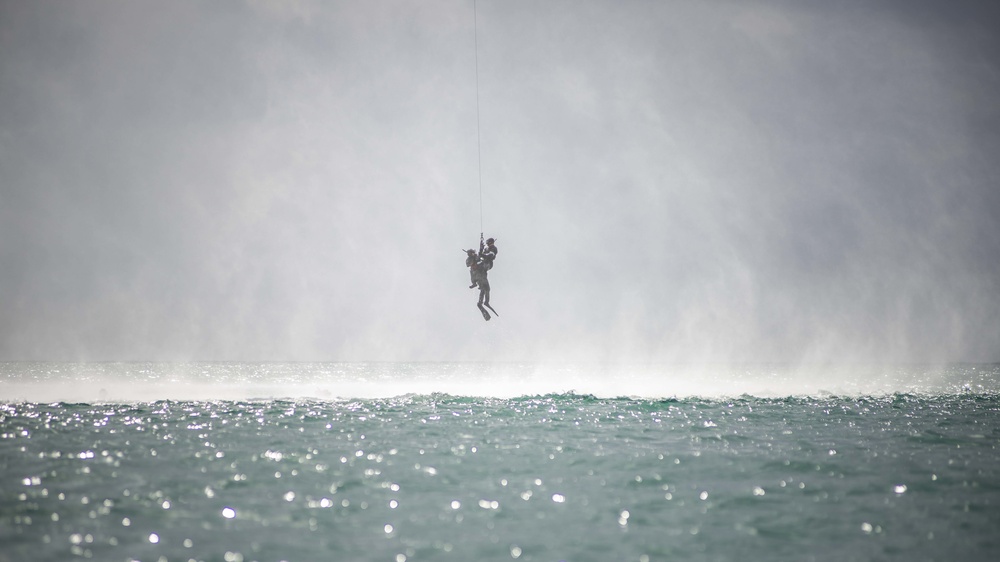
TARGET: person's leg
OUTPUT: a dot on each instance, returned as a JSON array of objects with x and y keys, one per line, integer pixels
[{"x": 484, "y": 292}]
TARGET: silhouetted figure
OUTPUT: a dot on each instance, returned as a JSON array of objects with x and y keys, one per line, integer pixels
[
  {"x": 488, "y": 253},
  {"x": 475, "y": 265},
  {"x": 478, "y": 265},
  {"x": 484, "y": 292}
]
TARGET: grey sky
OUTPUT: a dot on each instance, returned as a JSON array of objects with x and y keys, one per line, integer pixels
[{"x": 668, "y": 181}]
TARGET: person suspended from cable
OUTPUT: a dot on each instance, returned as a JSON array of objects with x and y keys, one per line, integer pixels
[
  {"x": 479, "y": 264},
  {"x": 476, "y": 271},
  {"x": 487, "y": 253},
  {"x": 482, "y": 262}
]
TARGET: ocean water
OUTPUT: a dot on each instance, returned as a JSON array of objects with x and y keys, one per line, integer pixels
[{"x": 410, "y": 462}]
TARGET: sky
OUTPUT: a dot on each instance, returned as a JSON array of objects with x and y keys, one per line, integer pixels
[{"x": 667, "y": 181}]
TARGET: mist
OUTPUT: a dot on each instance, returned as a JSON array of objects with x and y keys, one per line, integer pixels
[{"x": 676, "y": 181}]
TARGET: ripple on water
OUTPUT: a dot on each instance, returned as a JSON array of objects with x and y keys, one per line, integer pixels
[{"x": 427, "y": 477}]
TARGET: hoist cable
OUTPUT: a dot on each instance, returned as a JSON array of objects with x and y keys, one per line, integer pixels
[{"x": 479, "y": 148}]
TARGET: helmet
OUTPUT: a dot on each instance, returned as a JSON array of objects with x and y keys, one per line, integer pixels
[{"x": 490, "y": 240}]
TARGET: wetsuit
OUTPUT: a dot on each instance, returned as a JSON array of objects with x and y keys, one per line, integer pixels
[
  {"x": 477, "y": 273},
  {"x": 488, "y": 254}
]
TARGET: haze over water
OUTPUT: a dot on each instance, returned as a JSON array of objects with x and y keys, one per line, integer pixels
[{"x": 669, "y": 182}]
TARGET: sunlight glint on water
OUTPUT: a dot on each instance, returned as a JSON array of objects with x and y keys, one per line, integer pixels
[{"x": 432, "y": 476}]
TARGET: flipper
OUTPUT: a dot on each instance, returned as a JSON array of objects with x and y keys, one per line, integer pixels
[
  {"x": 486, "y": 315},
  {"x": 494, "y": 312}
]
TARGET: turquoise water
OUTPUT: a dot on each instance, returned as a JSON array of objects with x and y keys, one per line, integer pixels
[{"x": 912, "y": 474}]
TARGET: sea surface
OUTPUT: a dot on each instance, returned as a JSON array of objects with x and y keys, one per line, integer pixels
[{"x": 478, "y": 462}]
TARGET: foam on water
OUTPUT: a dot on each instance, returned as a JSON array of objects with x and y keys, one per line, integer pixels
[{"x": 143, "y": 382}]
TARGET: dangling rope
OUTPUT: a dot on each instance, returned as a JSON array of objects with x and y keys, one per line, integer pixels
[{"x": 479, "y": 148}]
